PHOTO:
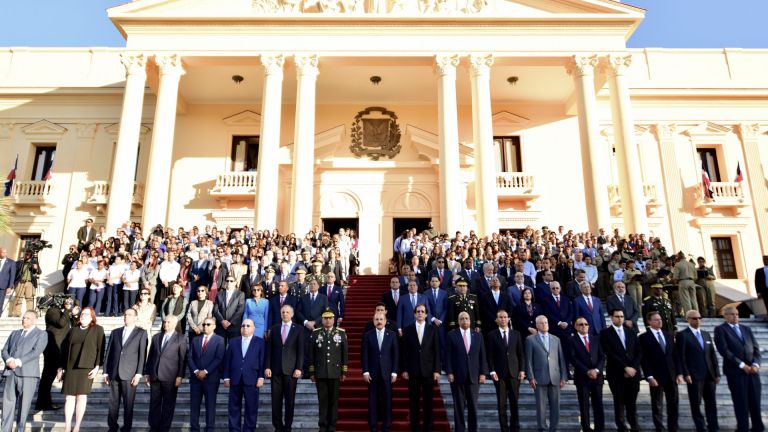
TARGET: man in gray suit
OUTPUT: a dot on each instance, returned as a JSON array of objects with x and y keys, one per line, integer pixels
[
  {"x": 21, "y": 355},
  {"x": 7, "y": 276},
  {"x": 547, "y": 373}
]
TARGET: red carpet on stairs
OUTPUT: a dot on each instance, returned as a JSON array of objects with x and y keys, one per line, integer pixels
[{"x": 362, "y": 295}]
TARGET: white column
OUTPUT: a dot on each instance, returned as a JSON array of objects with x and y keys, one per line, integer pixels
[
  {"x": 627, "y": 156},
  {"x": 448, "y": 131},
  {"x": 666, "y": 136},
  {"x": 486, "y": 198},
  {"x": 594, "y": 159},
  {"x": 302, "y": 196},
  {"x": 269, "y": 144},
  {"x": 161, "y": 149},
  {"x": 754, "y": 172},
  {"x": 126, "y": 151}
]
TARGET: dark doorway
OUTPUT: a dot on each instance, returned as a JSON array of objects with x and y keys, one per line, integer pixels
[
  {"x": 332, "y": 225},
  {"x": 401, "y": 224}
]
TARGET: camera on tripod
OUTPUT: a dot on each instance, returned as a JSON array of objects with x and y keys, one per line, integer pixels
[{"x": 36, "y": 245}]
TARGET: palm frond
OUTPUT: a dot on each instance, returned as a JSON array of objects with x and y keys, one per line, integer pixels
[{"x": 5, "y": 215}]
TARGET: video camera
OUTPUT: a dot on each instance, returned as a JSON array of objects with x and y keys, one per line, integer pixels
[
  {"x": 51, "y": 301},
  {"x": 36, "y": 245}
]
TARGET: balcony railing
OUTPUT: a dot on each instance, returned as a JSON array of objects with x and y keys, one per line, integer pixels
[
  {"x": 99, "y": 195},
  {"x": 33, "y": 192},
  {"x": 649, "y": 192},
  {"x": 725, "y": 195},
  {"x": 235, "y": 184},
  {"x": 516, "y": 186}
]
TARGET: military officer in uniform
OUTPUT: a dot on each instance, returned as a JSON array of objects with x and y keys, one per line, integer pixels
[
  {"x": 317, "y": 272},
  {"x": 301, "y": 285},
  {"x": 657, "y": 303},
  {"x": 328, "y": 359},
  {"x": 463, "y": 302},
  {"x": 270, "y": 284}
]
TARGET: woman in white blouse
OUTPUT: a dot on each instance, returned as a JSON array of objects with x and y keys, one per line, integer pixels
[
  {"x": 76, "y": 281},
  {"x": 131, "y": 285},
  {"x": 114, "y": 280},
  {"x": 97, "y": 277}
]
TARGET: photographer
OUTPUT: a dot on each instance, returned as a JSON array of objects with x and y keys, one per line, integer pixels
[
  {"x": 58, "y": 321},
  {"x": 27, "y": 271},
  {"x": 705, "y": 290}
]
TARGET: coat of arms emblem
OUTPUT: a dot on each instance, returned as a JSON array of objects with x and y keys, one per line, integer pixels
[{"x": 375, "y": 133}]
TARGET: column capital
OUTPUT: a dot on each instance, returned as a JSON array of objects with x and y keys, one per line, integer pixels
[
  {"x": 306, "y": 64},
  {"x": 665, "y": 131},
  {"x": 480, "y": 64},
  {"x": 86, "y": 130},
  {"x": 135, "y": 64},
  {"x": 616, "y": 64},
  {"x": 749, "y": 131},
  {"x": 273, "y": 63},
  {"x": 6, "y": 129},
  {"x": 445, "y": 64},
  {"x": 581, "y": 65},
  {"x": 170, "y": 64}
]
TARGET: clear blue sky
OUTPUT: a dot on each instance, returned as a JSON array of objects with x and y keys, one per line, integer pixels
[{"x": 668, "y": 23}]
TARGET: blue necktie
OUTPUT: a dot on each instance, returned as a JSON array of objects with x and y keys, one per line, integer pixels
[
  {"x": 738, "y": 332},
  {"x": 700, "y": 338}
]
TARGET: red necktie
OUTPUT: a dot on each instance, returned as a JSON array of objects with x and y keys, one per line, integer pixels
[
  {"x": 205, "y": 343},
  {"x": 557, "y": 300},
  {"x": 589, "y": 303},
  {"x": 586, "y": 343},
  {"x": 282, "y": 300}
]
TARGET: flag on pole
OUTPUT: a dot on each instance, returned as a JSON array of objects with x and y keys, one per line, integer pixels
[
  {"x": 47, "y": 175},
  {"x": 706, "y": 184},
  {"x": 739, "y": 175},
  {"x": 11, "y": 177}
]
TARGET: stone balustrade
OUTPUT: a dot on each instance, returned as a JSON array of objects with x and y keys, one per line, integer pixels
[
  {"x": 235, "y": 184},
  {"x": 32, "y": 192}
]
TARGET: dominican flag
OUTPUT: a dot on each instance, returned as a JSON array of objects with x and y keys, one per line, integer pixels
[
  {"x": 706, "y": 184},
  {"x": 739, "y": 175},
  {"x": 11, "y": 177},
  {"x": 47, "y": 175}
]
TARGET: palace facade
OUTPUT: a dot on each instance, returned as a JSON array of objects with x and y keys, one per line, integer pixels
[{"x": 475, "y": 114}]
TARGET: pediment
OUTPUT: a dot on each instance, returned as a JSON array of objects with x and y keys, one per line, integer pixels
[
  {"x": 708, "y": 130},
  {"x": 114, "y": 129},
  {"x": 43, "y": 127},
  {"x": 245, "y": 118},
  {"x": 213, "y": 10}
]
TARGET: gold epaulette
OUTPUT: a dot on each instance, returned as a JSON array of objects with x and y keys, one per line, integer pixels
[
  {"x": 340, "y": 329},
  {"x": 647, "y": 298},
  {"x": 317, "y": 330},
  {"x": 311, "y": 368},
  {"x": 344, "y": 368},
  {"x": 450, "y": 297}
]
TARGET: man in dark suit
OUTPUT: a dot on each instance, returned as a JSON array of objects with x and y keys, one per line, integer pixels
[
  {"x": 466, "y": 366},
  {"x": 543, "y": 288},
  {"x": 700, "y": 370},
  {"x": 309, "y": 314},
  {"x": 469, "y": 273},
  {"x": 559, "y": 311},
  {"x": 379, "y": 355},
  {"x": 58, "y": 322},
  {"x": 741, "y": 365},
  {"x": 86, "y": 234},
  {"x": 123, "y": 367},
  {"x": 391, "y": 325},
  {"x": 484, "y": 280},
  {"x": 589, "y": 307},
  {"x": 620, "y": 300},
  {"x": 7, "y": 275},
  {"x": 277, "y": 302},
  {"x": 492, "y": 301},
  {"x": 515, "y": 289},
  {"x": 282, "y": 365},
  {"x": 437, "y": 304},
  {"x": 761, "y": 281},
  {"x": 506, "y": 363},
  {"x": 445, "y": 275},
  {"x": 21, "y": 354},
  {"x": 244, "y": 375},
  {"x": 205, "y": 357},
  {"x": 163, "y": 373},
  {"x": 392, "y": 297},
  {"x": 335, "y": 296},
  {"x": 420, "y": 350},
  {"x": 200, "y": 271},
  {"x": 407, "y": 306},
  {"x": 661, "y": 367},
  {"x": 228, "y": 310},
  {"x": 588, "y": 361},
  {"x": 622, "y": 369}
]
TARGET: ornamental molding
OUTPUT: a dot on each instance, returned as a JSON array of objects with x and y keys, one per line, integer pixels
[
  {"x": 375, "y": 133},
  {"x": 372, "y": 7},
  {"x": 749, "y": 131},
  {"x": 581, "y": 65},
  {"x": 6, "y": 130},
  {"x": 170, "y": 64},
  {"x": 273, "y": 64},
  {"x": 135, "y": 64},
  {"x": 114, "y": 129},
  {"x": 44, "y": 128},
  {"x": 244, "y": 118},
  {"x": 86, "y": 131},
  {"x": 480, "y": 64},
  {"x": 615, "y": 64},
  {"x": 446, "y": 64}
]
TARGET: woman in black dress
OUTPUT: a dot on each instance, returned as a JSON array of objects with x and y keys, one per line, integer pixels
[
  {"x": 525, "y": 313},
  {"x": 82, "y": 355}
]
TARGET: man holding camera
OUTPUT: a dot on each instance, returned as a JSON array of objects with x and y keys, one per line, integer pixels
[
  {"x": 26, "y": 282},
  {"x": 58, "y": 322}
]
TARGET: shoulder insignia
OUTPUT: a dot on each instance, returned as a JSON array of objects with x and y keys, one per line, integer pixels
[
  {"x": 340, "y": 329},
  {"x": 317, "y": 330},
  {"x": 453, "y": 296},
  {"x": 647, "y": 298}
]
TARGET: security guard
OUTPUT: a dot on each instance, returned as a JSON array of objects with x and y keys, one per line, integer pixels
[
  {"x": 657, "y": 303},
  {"x": 301, "y": 285},
  {"x": 463, "y": 302},
  {"x": 317, "y": 272},
  {"x": 328, "y": 359}
]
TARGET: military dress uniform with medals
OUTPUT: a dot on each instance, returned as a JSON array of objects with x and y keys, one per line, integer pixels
[
  {"x": 328, "y": 360},
  {"x": 467, "y": 303},
  {"x": 664, "y": 307},
  {"x": 296, "y": 288}
]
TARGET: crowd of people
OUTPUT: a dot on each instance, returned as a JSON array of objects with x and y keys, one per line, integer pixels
[{"x": 514, "y": 306}]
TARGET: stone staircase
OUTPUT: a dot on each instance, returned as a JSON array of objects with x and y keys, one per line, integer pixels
[{"x": 569, "y": 409}]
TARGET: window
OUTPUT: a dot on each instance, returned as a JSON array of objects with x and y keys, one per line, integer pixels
[
  {"x": 43, "y": 161},
  {"x": 245, "y": 153},
  {"x": 26, "y": 239},
  {"x": 507, "y": 151},
  {"x": 708, "y": 158},
  {"x": 726, "y": 264}
]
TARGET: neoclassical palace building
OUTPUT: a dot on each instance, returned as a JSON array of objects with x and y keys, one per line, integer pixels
[{"x": 475, "y": 114}]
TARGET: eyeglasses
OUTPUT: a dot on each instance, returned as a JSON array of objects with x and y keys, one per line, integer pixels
[
  {"x": 246, "y": 325},
  {"x": 207, "y": 324}
]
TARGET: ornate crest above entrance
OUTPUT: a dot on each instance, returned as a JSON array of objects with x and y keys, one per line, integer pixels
[{"x": 375, "y": 133}]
